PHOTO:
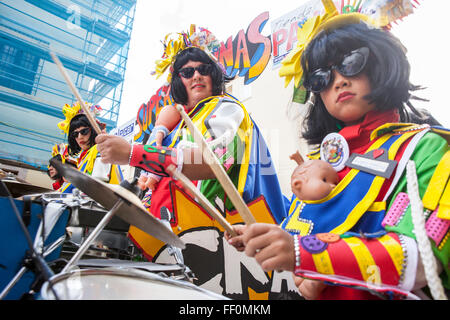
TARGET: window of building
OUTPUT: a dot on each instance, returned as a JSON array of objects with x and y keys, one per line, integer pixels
[{"x": 17, "y": 68}]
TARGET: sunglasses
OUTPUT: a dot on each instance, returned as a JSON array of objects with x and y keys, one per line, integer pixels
[
  {"x": 203, "y": 69},
  {"x": 83, "y": 132},
  {"x": 351, "y": 65}
]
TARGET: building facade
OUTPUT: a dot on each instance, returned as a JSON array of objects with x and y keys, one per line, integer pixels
[{"x": 91, "y": 38}]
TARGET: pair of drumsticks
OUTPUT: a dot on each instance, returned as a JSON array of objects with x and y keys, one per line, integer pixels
[{"x": 208, "y": 156}]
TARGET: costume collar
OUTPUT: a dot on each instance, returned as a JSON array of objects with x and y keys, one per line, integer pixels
[{"x": 358, "y": 135}]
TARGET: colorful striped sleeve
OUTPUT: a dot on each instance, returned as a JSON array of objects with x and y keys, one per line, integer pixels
[{"x": 385, "y": 264}]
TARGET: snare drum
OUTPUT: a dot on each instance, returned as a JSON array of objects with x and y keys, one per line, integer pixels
[
  {"x": 122, "y": 284},
  {"x": 86, "y": 214}
]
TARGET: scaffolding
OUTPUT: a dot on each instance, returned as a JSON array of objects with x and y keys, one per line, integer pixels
[{"x": 91, "y": 38}]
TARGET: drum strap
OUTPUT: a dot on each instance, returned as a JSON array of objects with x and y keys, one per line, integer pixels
[{"x": 26, "y": 211}]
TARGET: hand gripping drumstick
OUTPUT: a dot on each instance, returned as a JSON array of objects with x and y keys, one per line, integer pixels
[
  {"x": 202, "y": 199},
  {"x": 211, "y": 159},
  {"x": 75, "y": 92}
]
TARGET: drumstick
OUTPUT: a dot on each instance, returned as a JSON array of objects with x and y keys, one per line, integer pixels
[
  {"x": 75, "y": 92},
  {"x": 211, "y": 159},
  {"x": 201, "y": 199}
]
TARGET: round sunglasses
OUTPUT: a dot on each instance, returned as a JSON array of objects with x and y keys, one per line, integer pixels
[
  {"x": 203, "y": 69},
  {"x": 83, "y": 132},
  {"x": 351, "y": 65}
]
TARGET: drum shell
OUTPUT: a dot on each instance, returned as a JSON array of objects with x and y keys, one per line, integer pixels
[
  {"x": 122, "y": 284},
  {"x": 13, "y": 244}
]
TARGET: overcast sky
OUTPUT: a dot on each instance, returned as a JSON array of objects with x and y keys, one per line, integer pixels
[{"x": 425, "y": 33}]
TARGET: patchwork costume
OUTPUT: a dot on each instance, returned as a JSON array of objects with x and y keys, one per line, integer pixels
[
  {"x": 238, "y": 145},
  {"x": 88, "y": 161},
  {"x": 362, "y": 234}
]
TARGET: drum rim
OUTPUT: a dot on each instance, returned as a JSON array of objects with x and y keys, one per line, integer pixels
[{"x": 122, "y": 272}]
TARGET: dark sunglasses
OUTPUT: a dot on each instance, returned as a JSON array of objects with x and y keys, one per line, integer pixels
[
  {"x": 83, "y": 132},
  {"x": 351, "y": 65},
  {"x": 203, "y": 69}
]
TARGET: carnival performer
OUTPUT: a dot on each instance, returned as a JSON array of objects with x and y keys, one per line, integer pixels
[
  {"x": 60, "y": 153},
  {"x": 198, "y": 83},
  {"x": 54, "y": 174},
  {"x": 81, "y": 144},
  {"x": 360, "y": 239}
]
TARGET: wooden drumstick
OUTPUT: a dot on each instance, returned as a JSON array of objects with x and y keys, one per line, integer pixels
[
  {"x": 201, "y": 199},
  {"x": 211, "y": 159},
  {"x": 75, "y": 92}
]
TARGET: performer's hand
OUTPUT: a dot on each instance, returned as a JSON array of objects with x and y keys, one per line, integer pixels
[
  {"x": 142, "y": 182},
  {"x": 271, "y": 246},
  {"x": 237, "y": 240},
  {"x": 309, "y": 289},
  {"x": 113, "y": 149}
]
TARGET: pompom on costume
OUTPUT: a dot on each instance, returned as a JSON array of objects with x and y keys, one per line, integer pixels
[{"x": 361, "y": 237}]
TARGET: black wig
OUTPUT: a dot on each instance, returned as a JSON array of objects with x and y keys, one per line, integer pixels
[
  {"x": 79, "y": 121},
  {"x": 57, "y": 176},
  {"x": 387, "y": 68},
  {"x": 219, "y": 78}
]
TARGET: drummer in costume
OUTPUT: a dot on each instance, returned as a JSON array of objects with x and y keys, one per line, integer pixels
[
  {"x": 198, "y": 83},
  {"x": 81, "y": 144},
  {"x": 59, "y": 152},
  {"x": 360, "y": 238}
]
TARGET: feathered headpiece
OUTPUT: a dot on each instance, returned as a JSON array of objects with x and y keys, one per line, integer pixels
[
  {"x": 377, "y": 13},
  {"x": 71, "y": 111},
  {"x": 63, "y": 150},
  {"x": 177, "y": 42}
]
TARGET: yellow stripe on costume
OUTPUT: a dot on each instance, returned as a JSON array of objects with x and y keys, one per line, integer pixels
[
  {"x": 323, "y": 263},
  {"x": 437, "y": 183},
  {"x": 395, "y": 251},
  {"x": 362, "y": 256},
  {"x": 444, "y": 204},
  {"x": 398, "y": 143},
  {"x": 377, "y": 183},
  {"x": 295, "y": 223},
  {"x": 361, "y": 207},
  {"x": 377, "y": 206}
]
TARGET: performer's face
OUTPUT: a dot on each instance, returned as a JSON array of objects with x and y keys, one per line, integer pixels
[
  {"x": 344, "y": 97},
  {"x": 82, "y": 137},
  {"x": 52, "y": 171},
  {"x": 199, "y": 86}
]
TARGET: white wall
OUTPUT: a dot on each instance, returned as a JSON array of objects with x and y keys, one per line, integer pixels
[{"x": 269, "y": 104}]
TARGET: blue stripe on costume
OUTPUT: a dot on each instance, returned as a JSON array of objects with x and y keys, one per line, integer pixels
[
  {"x": 262, "y": 178},
  {"x": 328, "y": 215}
]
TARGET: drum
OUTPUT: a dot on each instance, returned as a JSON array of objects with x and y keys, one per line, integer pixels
[
  {"x": 173, "y": 271},
  {"x": 16, "y": 281},
  {"x": 112, "y": 242},
  {"x": 121, "y": 284}
]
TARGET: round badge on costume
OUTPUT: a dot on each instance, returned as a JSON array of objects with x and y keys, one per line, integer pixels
[{"x": 334, "y": 150}]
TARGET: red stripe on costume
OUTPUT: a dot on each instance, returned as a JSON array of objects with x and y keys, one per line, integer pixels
[
  {"x": 388, "y": 271},
  {"x": 343, "y": 260}
]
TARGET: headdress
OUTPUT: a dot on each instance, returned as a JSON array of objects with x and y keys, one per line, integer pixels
[
  {"x": 177, "y": 42},
  {"x": 71, "y": 111},
  {"x": 376, "y": 13},
  {"x": 63, "y": 150}
]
